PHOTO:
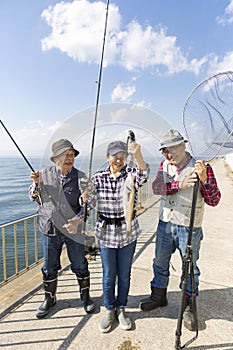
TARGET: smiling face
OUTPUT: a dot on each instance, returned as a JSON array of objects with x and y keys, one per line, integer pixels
[
  {"x": 116, "y": 162},
  {"x": 65, "y": 161},
  {"x": 177, "y": 153},
  {"x": 166, "y": 154}
]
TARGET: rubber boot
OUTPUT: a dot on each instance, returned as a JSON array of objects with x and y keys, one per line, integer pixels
[
  {"x": 50, "y": 287},
  {"x": 157, "y": 298},
  {"x": 84, "y": 284}
]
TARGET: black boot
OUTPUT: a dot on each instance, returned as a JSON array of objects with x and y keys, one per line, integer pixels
[
  {"x": 157, "y": 298},
  {"x": 50, "y": 287},
  {"x": 84, "y": 284}
]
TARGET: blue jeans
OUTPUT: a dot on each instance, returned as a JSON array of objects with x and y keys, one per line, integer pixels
[
  {"x": 52, "y": 251},
  {"x": 170, "y": 237},
  {"x": 116, "y": 262}
]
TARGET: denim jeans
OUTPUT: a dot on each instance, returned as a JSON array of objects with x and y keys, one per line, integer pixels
[
  {"x": 52, "y": 251},
  {"x": 116, "y": 263},
  {"x": 170, "y": 237}
]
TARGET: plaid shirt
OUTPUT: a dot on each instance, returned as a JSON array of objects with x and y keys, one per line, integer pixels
[
  {"x": 108, "y": 196},
  {"x": 209, "y": 189}
]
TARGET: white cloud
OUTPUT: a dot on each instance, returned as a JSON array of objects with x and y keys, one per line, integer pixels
[
  {"x": 77, "y": 29},
  {"x": 227, "y": 18},
  {"x": 224, "y": 64},
  {"x": 120, "y": 115},
  {"x": 147, "y": 48},
  {"x": 32, "y": 138},
  {"x": 122, "y": 92},
  {"x": 143, "y": 104}
]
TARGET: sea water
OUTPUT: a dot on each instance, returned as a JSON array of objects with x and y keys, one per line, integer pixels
[{"x": 15, "y": 203}]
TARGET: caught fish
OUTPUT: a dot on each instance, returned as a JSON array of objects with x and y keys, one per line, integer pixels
[
  {"x": 129, "y": 189},
  {"x": 128, "y": 200}
]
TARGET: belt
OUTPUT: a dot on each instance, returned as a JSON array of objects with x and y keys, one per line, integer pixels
[{"x": 112, "y": 221}]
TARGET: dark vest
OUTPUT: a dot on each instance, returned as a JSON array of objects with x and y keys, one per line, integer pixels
[{"x": 60, "y": 201}]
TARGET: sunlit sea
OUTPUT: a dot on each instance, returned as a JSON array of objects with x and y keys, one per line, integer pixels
[{"x": 14, "y": 183}]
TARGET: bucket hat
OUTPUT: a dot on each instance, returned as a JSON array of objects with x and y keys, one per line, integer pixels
[
  {"x": 61, "y": 146},
  {"x": 171, "y": 138}
]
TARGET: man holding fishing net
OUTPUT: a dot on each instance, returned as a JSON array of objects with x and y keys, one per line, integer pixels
[{"x": 175, "y": 185}]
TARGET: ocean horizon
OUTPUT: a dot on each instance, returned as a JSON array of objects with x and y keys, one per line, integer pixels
[
  {"x": 15, "y": 181},
  {"x": 15, "y": 203}
]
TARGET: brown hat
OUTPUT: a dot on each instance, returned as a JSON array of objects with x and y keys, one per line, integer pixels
[
  {"x": 61, "y": 146},
  {"x": 171, "y": 138}
]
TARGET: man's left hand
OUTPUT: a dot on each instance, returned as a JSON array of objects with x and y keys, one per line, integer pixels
[
  {"x": 72, "y": 226},
  {"x": 201, "y": 170}
]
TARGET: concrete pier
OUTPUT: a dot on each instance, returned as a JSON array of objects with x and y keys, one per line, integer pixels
[{"x": 69, "y": 327}]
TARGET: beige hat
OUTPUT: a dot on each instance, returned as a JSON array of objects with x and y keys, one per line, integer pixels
[{"x": 171, "y": 138}]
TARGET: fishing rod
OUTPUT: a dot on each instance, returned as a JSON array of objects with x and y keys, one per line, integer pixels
[
  {"x": 98, "y": 92},
  {"x": 95, "y": 116},
  {"x": 188, "y": 268},
  {"x": 32, "y": 169},
  {"x": 17, "y": 147}
]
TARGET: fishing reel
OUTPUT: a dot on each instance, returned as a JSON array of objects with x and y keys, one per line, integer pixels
[
  {"x": 131, "y": 137},
  {"x": 85, "y": 186}
]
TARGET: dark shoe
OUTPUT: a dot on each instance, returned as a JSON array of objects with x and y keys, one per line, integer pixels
[
  {"x": 84, "y": 284},
  {"x": 50, "y": 287},
  {"x": 108, "y": 320},
  {"x": 188, "y": 316},
  {"x": 124, "y": 321},
  {"x": 158, "y": 298}
]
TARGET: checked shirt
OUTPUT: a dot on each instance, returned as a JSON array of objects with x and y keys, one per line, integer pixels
[{"x": 108, "y": 199}]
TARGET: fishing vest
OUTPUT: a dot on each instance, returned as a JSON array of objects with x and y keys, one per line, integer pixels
[
  {"x": 176, "y": 208},
  {"x": 66, "y": 197}
]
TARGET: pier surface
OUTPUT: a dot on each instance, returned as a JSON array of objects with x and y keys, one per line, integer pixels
[{"x": 69, "y": 327}]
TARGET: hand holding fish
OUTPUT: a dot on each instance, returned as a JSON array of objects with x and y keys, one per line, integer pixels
[{"x": 135, "y": 149}]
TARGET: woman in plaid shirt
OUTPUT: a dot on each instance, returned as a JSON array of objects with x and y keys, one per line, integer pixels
[
  {"x": 176, "y": 176},
  {"x": 117, "y": 243}
]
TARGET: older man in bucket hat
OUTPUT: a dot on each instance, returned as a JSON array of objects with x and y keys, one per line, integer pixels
[
  {"x": 174, "y": 184},
  {"x": 61, "y": 182}
]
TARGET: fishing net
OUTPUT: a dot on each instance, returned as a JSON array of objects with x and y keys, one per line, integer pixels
[{"x": 208, "y": 117}]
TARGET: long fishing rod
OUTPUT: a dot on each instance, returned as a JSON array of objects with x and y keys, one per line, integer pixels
[
  {"x": 30, "y": 166},
  {"x": 98, "y": 92},
  {"x": 188, "y": 268},
  {"x": 18, "y": 147},
  {"x": 96, "y": 111}
]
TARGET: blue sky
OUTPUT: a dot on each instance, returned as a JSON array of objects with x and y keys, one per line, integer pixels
[{"x": 156, "y": 52}]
